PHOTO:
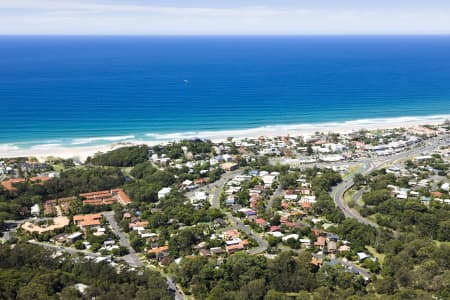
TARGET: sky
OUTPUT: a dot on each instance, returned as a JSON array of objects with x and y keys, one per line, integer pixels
[{"x": 224, "y": 17}]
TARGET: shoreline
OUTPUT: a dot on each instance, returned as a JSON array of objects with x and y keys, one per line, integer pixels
[{"x": 79, "y": 152}]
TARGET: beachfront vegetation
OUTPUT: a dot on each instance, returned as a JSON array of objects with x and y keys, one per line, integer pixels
[
  {"x": 176, "y": 150},
  {"x": 122, "y": 157}
]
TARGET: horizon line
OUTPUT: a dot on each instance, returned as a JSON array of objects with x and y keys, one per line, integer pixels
[{"x": 229, "y": 35}]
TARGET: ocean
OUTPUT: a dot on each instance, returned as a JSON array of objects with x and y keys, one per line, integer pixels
[{"x": 72, "y": 91}]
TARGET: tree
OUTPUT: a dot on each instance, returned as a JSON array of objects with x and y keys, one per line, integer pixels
[
  {"x": 309, "y": 149},
  {"x": 218, "y": 293},
  {"x": 70, "y": 293},
  {"x": 359, "y": 180},
  {"x": 254, "y": 290},
  {"x": 181, "y": 243},
  {"x": 79, "y": 245},
  {"x": 122, "y": 157},
  {"x": 32, "y": 291},
  {"x": 290, "y": 274},
  {"x": 121, "y": 251},
  {"x": 385, "y": 286},
  {"x": 275, "y": 295},
  {"x": 95, "y": 247}
]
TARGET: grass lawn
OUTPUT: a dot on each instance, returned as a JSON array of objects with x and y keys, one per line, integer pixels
[
  {"x": 351, "y": 171},
  {"x": 126, "y": 170},
  {"x": 349, "y": 195},
  {"x": 374, "y": 252}
]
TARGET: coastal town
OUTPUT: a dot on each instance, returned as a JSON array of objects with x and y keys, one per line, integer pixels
[{"x": 335, "y": 201}]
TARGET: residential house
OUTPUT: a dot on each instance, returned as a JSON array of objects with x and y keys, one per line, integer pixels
[
  {"x": 164, "y": 192},
  {"x": 35, "y": 210}
]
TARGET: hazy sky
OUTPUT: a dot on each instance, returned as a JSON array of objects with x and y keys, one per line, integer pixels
[{"x": 224, "y": 17}]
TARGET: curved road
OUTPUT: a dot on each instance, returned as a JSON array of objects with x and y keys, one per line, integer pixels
[
  {"x": 262, "y": 243},
  {"x": 377, "y": 163}
]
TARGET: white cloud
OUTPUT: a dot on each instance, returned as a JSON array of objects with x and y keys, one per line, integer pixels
[
  {"x": 82, "y": 17},
  {"x": 90, "y": 7}
]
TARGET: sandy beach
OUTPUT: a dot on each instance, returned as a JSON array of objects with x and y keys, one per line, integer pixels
[{"x": 80, "y": 153}]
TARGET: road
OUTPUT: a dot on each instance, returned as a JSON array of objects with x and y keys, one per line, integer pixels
[
  {"x": 363, "y": 272},
  {"x": 177, "y": 293},
  {"x": 278, "y": 192},
  {"x": 132, "y": 258},
  {"x": 65, "y": 249},
  {"x": 348, "y": 264},
  {"x": 377, "y": 163},
  {"x": 262, "y": 244},
  {"x": 358, "y": 195},
  {"x": 14, "y": 224},
  {"x": 216, "y": 187}
]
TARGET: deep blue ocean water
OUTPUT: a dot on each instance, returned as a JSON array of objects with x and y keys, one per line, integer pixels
[{"x": 61, "y": 89}]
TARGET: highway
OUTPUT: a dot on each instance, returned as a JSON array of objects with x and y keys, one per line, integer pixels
[{"x": 377, "y": 163}]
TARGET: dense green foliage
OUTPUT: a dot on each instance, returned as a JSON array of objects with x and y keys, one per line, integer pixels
[
  {"x": 198, "y": 147},
  {"x": 148, "y": 181},
  {"x": 122, "y": 157},
  {"x": 15, "y": 204},
  {"x": 415, "y": 267},
  {"x": 29, "y": 272},
  {"x": 243, "y": 276},
  {"x": 409, "y": 215},
  {"x": 322, "y": 181}
]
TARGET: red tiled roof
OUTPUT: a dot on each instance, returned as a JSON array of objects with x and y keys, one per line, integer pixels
[
  {"x": 284, "y": 219},
  {"x": 291, "y": 224},
  {"x": 40, "y": 178},
  {"x": 106, "y": 197},
  {"x": 320, "y": 241},
  {"x": 87, "y": 220},
  {"x": 234, "y": 247},
  {"x": 306, "y": 205},
  {"x": 201, "y": 180},
  {"x": 231, "y": 233},
  {"x": 122, "y": 197},
  {"x": 8, "y": 184},
  {"x": 275, "y": 228},
  {"x": 436, "y": 194},
  {"x": 158, "y": 250},
  {"x": 260, "y": 221},
  {"x": 138, "y": 224}
]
